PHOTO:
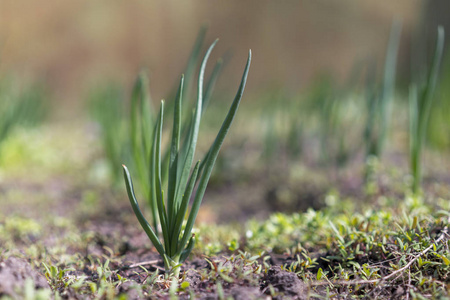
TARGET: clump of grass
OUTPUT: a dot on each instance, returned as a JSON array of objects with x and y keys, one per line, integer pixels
[
  {"x": 421, "y": 98},
  {"x": 172, "y": 207}
]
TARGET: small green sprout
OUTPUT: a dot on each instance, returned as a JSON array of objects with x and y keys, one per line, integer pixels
[
  {"x": 420, "y": 103},
  {"x": 173, "y": 204},
  {"x": 379, "y": 101},
  {"x": 107, "y": 109}
]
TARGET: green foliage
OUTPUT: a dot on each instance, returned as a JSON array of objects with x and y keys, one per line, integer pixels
[
  {"x": 172, "y": 206},
  {"x": 336, "y": 114},
  {"x": 438, "y": 133},
  {"x": 56, "y": 277},
  {"x": 282, "y": 121},
  {"x": 350, "y": 251},
  {"x": 379, "y": 98},
  {"x": 143, "y": 120},
  {"x": 18, "y": 228},
  {"x": 421, "y": 96},
  {"x": 107, "y": 109},
  {"x": 126, "y": 128},
  {"x": 21, "y": 106}
]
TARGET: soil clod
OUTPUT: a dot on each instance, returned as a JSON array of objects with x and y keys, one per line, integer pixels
[{"x": 286, "y": 285}]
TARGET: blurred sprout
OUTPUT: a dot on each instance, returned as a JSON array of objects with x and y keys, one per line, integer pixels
[
  {"x": 106, "y": 107},
  {"x": 379, "y": 99},
  {"x": 21, "y": 106},
  {"x": 421, "y": 96}
]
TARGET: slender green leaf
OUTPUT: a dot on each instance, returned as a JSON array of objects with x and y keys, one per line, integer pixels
[
  {"x": 390, "y": 68},
  {"x": 195, "y": 54},
  {"x": 174, "y": 148},
  {"x": 140, "y": 120},
  {"x": 185, "y": 253},
  {"x": 431, "y": 83},
  {"x": 420, "y": 108},
  {"x": 193, "y": 132},
  {"x": 184, "y": 205},
  {"x": 211, "y": 83},
  {"x": 156, "y": 174},
  {"x": 134, "y": 204}
]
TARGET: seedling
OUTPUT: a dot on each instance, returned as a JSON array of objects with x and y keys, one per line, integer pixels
[
  {"x": 172, "y": 206},
  {"x": 420, "y": 103},
  {"x": 379, "y": 102},
  {"x": 106, "y": 108}
]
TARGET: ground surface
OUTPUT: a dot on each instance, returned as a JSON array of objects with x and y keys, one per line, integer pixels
[{"x": 65, "y": 232}]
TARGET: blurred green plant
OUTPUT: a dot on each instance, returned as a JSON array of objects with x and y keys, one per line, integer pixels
[
  {"x": 438, "y": 133},
  {"x": 336, "y": 114},
  {"x": 270, "y": 120},
  {"x": 282, "y": 123},
  {"x": 295, "y": 135},
  {"x": 421, "y": 96},
  {"x": 56, "y": 277},
  {"x": 379, "y": 98},
  {"x": 176, "y": 246},
  {"x": 21, "y": 106},
  {"x": 107, "y": 108}
]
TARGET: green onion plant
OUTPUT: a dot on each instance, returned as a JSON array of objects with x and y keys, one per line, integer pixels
[
  {"x": 107, "y": 108},
  {"x": 334, "y": 110},
  {"x": 379, "y": 103},
  {"x": 124, "y": 128},
  {"x": 172, "y": 204},
  {"x": 420, "y": 103},
  {"x": 143, "y": 120}
]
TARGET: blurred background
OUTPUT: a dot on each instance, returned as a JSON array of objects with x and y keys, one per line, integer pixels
[
  {"x": 74, "y": 45},
  {"x": 325, "y": 79}
]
